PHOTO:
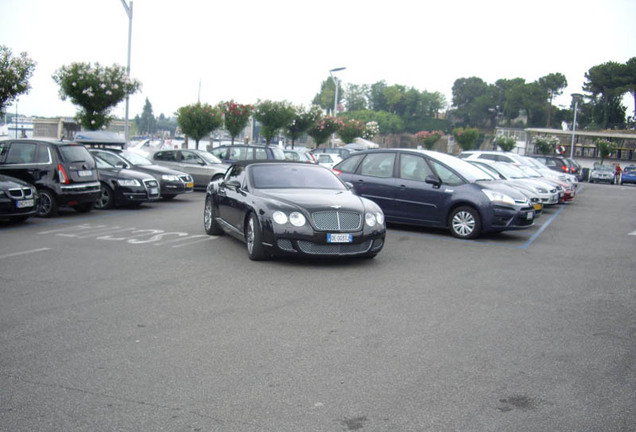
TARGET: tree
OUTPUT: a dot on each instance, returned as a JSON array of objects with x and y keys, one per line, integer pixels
[
  {"x": 95, "y": 89},
  {"x": 505, "y": 143},
  {"x": 15, "y": 73},
  {"x": 323, "y": 128},
  {"x": 199, "y": 120},
  {"x": 235, "y": 117},
  {"x": 350, "y": 129},
  {"x": 387, "y": 122},
  {"x": 428, "y": 139},
  {"x": 545, "y": 145},
  {"x": 605, "y": 148},
  {"x": 554, "y": 84},
  {"x": 606, "y": 81},
  {"x": 302, "y": 121},
  {"x": 630, "y": 79},
  {"x": 146, "y": 124},
  {"x": 393, "y": 95},
  {"x": 355, "y": 97},
  {"x": 466, "y": 138},
  {"x": 273, "y": 117},
  {"x": 327, "y": 95},
  {"x": 377, "y": 101},
  {"x": 465, "y": 92}
]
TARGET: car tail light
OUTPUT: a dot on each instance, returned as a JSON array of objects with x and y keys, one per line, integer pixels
[
  {"x": 338, "y": 172},
  {"x": 564, "y": 168},
  {"x": 61, "y": 173}
]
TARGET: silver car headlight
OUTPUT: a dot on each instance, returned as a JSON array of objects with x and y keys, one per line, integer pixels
[
  {"x": 128, "y": 182},
  {"x": 495, "y": 196},
  {"x": 169, "y": 177}
]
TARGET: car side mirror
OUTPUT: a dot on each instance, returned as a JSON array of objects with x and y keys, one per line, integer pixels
[
  {"x": 234, "y": 184},
  {"x": 349, "y": 185},
  {"x": 434, "y": 180},
  {"x": 122, "y": 165}
]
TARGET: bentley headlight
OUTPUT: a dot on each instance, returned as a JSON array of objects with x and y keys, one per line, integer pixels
[
  {"x": 128, "y": 182},
  {"x": 280, "y": 217},
  {"x": 495, "y": 197},
  {"x": 297, "y": 219},
  {"x": 169, "y": 177},
  {"x": 370, "y": 219},
  {"x": 379, "y": 216}
]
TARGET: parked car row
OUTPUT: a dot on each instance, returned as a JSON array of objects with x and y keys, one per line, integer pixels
[{"x": 45, "y": 175}]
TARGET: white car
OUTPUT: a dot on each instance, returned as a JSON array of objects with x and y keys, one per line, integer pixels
[
  {"x": 519, "y": 160},
  {"x": 328, "y": 160}
]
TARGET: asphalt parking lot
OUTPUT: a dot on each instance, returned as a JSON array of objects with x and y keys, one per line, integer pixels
[{"x": 135, "y": 320}]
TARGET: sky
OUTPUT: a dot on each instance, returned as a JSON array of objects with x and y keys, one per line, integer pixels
[{"x": 250, "y": 50}]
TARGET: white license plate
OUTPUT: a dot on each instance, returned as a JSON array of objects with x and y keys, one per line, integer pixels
[
  {"x": 154, "y": 191},
  {"x": 25, "y": 203},
  {"x": 85, "y": 173},
  {"x": 339, "y": 238},
  {"x": 530, "y": 215}
]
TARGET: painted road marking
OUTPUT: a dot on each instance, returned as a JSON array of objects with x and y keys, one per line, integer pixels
[
  {"x": 24, "y": 252},
  {"x": 131, "y": 235}
]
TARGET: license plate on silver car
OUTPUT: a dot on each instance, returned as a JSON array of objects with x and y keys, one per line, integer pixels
[
  {"x": 339, "y": 238},
  {"x": 529, "y": 215},
  {"x": 85, "y": 173}
]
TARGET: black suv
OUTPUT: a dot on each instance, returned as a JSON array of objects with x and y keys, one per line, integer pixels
[{"x": 62, "y": 171}]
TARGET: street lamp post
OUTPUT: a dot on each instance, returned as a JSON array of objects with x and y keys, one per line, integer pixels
[
  {"x": 576, "y": 97},
  {"x": 129, "y": 12},
  {"x": 335, "y": 99},
  {"x": 336, "y": 82}
]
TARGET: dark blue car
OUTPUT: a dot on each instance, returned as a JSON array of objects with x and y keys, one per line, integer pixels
[{"x": 429, "y": 188}]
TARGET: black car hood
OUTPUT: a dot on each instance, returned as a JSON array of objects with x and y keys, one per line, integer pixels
[
  {"x": 7, "y": 182},
  {"x": 125, "y": 173},
  {"x": 316, "y": 199}
]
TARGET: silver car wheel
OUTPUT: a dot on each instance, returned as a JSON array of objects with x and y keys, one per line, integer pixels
[
  {"x": 463, "y": 223},
  {"x": 249, "y": 236}
]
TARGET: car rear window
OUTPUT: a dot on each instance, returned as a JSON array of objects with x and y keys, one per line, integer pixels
[{"x": 76, "y": 153}]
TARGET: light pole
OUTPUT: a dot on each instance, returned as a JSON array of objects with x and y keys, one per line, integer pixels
[
  {"x": 336, "y": 82},
  {"x": 576, "y": 97},
  {"x": 335, "y": 99},
  {"x": 129, "y": 12}
]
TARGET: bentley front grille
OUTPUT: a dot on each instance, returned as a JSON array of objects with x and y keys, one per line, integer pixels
[{"x": 337, "y": 221}]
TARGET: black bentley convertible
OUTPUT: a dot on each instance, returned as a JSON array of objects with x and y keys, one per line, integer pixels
[{"x": 292, "y": 209}]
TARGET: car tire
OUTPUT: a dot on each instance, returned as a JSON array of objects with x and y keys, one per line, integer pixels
[
  {"x": 464, "y": 222},
  {"x": 48, "y": 204},
  {"x": 106, "y": 197},
  {"x": 254, "y": 239},
  {"x": 209, "y": 222}
]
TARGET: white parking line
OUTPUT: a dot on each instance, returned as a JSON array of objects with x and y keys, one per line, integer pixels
[
  {"x": 632, "y": 233},
  {"x": 24, "y": 252}
]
